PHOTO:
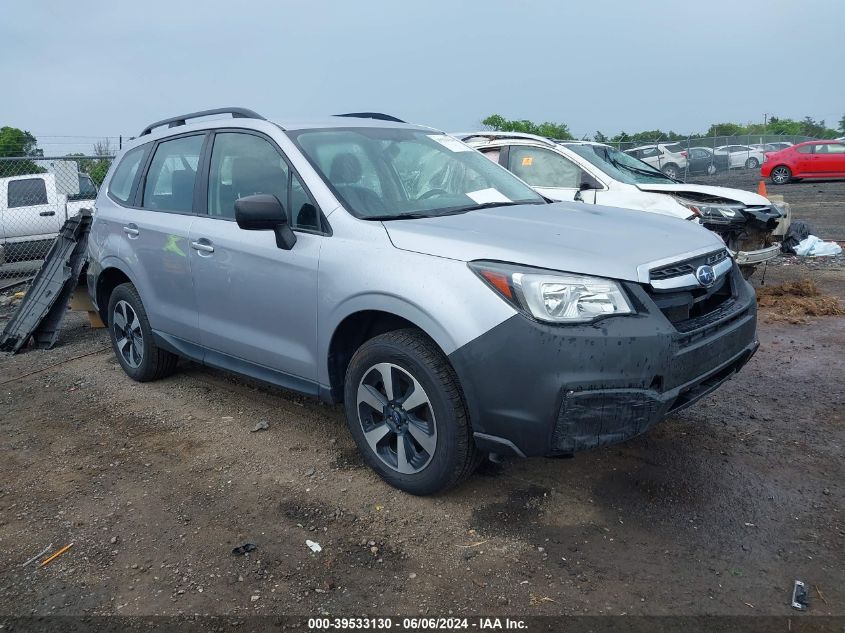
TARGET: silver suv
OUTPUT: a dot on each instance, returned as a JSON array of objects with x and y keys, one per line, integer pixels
[{"x": 454, "y": 311}]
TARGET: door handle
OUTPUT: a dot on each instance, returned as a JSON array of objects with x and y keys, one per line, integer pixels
[
  {"x": 45, "y": 214},
  {"x": 203, "y": 247},
  {"x": 131, "y": 230}
]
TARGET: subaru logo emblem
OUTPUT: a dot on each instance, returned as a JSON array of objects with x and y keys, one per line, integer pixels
[{"x": 705, "y": 275}]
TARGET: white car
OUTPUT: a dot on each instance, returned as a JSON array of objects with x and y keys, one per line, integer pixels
[
  {"x": 742, "y": 156},
  {"x": 670, "y": 158},
  {"x": 599, "y": 174}
]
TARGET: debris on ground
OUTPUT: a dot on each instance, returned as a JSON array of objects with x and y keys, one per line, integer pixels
[
  {"x": 50, "y": 559},
  {"x": 313, "y": 546},
  {"x": 44, "y": 551},
  {"x": 799, "y": 596},
  {"x": 813, "y": 246},
  {"x": 794, "y": 300},
  {"x": 246, "y": 548},
  {"x": 262, "y": 425}
]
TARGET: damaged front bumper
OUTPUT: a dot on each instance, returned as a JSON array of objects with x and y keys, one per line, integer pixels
[
  {"x": 751, "y": 258},
  {"x": 537, "y": 389}
]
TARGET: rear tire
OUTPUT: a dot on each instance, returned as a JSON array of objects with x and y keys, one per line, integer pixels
[
  {"x": 752, "y": 163},
  {"x": 781, "y": 175},
  {"x": 671, "y": 170},
  {"x": 426, "y": 448},
  {"x": 132, "y": 338}
]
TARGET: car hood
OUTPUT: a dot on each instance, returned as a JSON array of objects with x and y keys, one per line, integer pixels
[
  {"x": 568, "y": 236},
  {"x": 745, "y": 197}
]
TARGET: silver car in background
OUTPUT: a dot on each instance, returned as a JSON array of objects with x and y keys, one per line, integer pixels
[{"x": 454, "y": 311}]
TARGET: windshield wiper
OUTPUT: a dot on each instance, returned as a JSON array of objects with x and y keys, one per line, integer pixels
[
  {"x": 636, "y": 170},
  {"x": 453, "y": 211}
]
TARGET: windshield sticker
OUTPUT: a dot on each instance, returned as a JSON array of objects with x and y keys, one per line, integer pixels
[
  {"x": 483, "y": 196},
  {"x": 450, "y": 143},
  {"x": 527, "y": 161}
]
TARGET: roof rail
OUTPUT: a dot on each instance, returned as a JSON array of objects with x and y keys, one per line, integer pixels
[
  {"x": 372, "y": 115},
  {"x": 492, "y": 135},
  {"x": 237, "y": 113}
]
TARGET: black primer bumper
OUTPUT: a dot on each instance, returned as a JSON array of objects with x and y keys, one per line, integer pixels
[{"x": 536, "y": 389}]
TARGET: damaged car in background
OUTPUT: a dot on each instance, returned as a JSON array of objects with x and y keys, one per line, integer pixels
[{"x": 599, "y": 174}]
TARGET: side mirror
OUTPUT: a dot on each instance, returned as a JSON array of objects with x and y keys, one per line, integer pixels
[{"x": 264, "y": 212}]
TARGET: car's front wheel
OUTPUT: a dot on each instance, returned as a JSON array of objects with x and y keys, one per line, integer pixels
[
  {"x": 405, "y": 410},
  {"x": 752, "y": 163},
  {"x": 781, "y": 175},
  {"x": 132, "y": 338}
]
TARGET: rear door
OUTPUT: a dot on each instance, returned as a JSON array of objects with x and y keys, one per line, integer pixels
[
  {"x": 257, "y": 303},
  {"x": 155, "y": 235},
  {"x": 551, "y": 174}
]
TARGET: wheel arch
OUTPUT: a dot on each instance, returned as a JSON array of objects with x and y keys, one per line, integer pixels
[
  {"x": 357, "y": 326},
  {"x": 110, "y": 276}
]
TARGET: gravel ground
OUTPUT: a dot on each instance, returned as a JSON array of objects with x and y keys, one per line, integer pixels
[
  {"x": 716, "y": 511},
  {"x": 819, "y": 202}
]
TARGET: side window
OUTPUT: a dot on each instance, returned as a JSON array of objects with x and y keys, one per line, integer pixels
[
  {"x": 120, "y": 186},
  {"x": 27, "y": 192},
  {"x": 169, "y": 184},
  {"x": 492, "y": 154},
  {"x": 836, "y": 148},
  {"x": 805, "y": 149},
  {"x": 543, "y": 168},
  {"x": 244, "y": 165}
]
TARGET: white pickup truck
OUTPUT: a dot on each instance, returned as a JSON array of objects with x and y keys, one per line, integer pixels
[{"x": 33, "y": 208}]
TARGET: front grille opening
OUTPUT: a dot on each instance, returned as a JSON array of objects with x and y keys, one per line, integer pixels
[
  {"x": 687, "y": 267},
  {"x": 691, "y": 309}
]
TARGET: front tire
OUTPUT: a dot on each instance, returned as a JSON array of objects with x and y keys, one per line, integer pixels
[
  {"x": 132, "y": 338},
  {"x": 781, "y": 175},
  {"x": 752, "y": 163},
  {"x": 405, "y": 411}
]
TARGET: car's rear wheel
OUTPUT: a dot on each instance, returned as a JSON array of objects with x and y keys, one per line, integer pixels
[
  {"x": 752, "y": 163},
  {"x": 671, "y": 170},
  {"x": 132, "y": 338},
  {"x": 406, "y": 413},
  {"x": 781, "y": 175},
  {"x": 711, "y": 169}
]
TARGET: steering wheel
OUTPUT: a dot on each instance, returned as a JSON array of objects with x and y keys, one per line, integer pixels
[{"x": 431, "y": 193}]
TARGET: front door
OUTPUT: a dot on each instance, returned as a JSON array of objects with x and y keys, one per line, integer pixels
[
  {"x": 551, "y": 174},
  {"x": 257, "y": 302}
]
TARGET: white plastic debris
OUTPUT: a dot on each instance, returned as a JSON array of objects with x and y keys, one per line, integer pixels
[
  {"x": 313, "y": 546},
  {"x": 812, "y": 246}
]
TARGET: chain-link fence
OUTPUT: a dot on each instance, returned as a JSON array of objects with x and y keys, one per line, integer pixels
[
  {"x": 700, "y": 155},
  {"x": 37, "y": 195}
]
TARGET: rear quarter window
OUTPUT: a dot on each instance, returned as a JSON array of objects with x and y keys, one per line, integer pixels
[{"x": 121, "y": 183}]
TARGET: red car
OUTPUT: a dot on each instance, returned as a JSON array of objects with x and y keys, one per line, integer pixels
[{"x": 811, "y": 159}]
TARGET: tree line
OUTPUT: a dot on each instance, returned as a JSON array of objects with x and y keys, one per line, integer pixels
[
  {"x": 807, "y": 126},
  {"x": 16, "y": 143}
]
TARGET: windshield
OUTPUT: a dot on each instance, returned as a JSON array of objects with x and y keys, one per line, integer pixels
[
  {"x": 619, "y": 165},
  {"x": 390, "y": 173}
]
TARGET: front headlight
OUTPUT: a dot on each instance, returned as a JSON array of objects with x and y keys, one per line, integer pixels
[
  {"x": 554, "y": 297},
  {"x": 710, "y": 211}
]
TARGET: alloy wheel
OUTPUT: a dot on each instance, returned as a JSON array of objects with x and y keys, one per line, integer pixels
[
  {"x": 397, "y": 418},
  {"x": 128, "y": 336},
  {"x": 780, "y": 175}
]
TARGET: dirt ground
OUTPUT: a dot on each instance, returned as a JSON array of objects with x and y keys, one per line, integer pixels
[
  {"x": 819, "y": 202},
  {"x": 715, "y": 511}
]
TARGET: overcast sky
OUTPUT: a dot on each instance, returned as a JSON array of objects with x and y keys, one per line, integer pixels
[{"x": 109, "y": 68}]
